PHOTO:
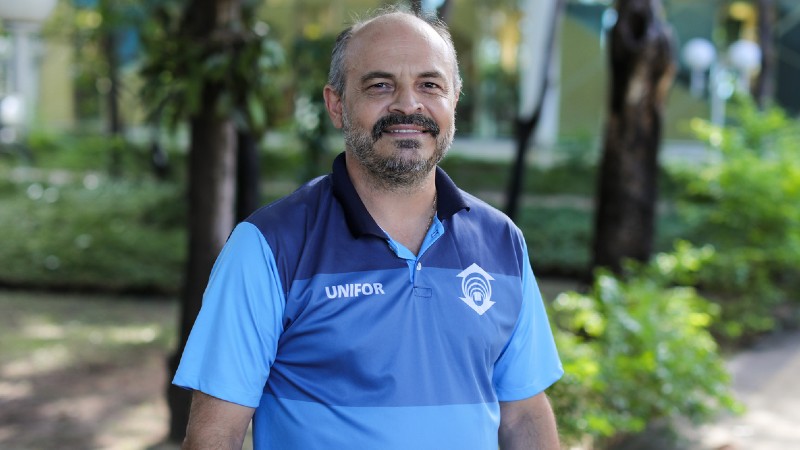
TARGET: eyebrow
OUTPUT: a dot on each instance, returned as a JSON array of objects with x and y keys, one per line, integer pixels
[
  {"x": 379, "y": 74},
  {"x": 431, "y": 74},
  {"x": 376, "y": 74}
]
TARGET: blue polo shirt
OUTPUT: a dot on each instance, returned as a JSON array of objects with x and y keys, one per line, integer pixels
[{"x": 340, "y": 337}]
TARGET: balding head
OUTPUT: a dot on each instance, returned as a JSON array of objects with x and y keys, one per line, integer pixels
[{"x": 340, "y": 54}]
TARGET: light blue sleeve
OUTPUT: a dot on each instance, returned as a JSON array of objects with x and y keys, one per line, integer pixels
[
  {"x": 530, "y": 363},
  {"x": 235, "y": 337}
]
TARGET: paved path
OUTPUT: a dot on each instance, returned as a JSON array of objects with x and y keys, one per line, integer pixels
[{"x": 766, "y": 379}]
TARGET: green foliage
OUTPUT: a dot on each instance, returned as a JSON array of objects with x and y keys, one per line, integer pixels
[
  {"x": 755, "y": 187},
  {"x": 310, "y": 57},
  {"x": 570, "y": 177},
  {"x": 558, "y": 229},
  {"x": 559, "y": 238},
  {"x": 557, "y": 212},
  {"x": 637, "y": 349},
  {"x": 559, "y": 234},
  {"x": 81, "y": 152},
  {"x": 747, "y": 205},
  {"x": 238, "y": 62},
  {"x": 79, "y": 230}
]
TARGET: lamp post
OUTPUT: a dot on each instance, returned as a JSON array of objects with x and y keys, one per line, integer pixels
[
  {"x": 23, "y": 20},
  {"x": 699, "y": 54},
  {"x": 725, "y": 76},
  {"x": 745, "y": 57}
]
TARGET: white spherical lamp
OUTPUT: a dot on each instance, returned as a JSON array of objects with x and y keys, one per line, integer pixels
[
  {"x": 745, "y": 55},
  {"x": 698, "y": 54}
]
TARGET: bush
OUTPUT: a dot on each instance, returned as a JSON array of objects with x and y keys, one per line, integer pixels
[
  {"x": 83, "y": 231},
  {"x": 637, "y": 349},
  {"x": 560, "y": 237},
  {"x": 747, "y": 205},
  {"x": 90, "y": 151}
]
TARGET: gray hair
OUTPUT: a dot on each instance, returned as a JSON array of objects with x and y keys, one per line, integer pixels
[{"x": 336, "y": 74}]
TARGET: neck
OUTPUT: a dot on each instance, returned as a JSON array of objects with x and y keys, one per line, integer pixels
[
  {"x": 376, "y": 183},
  {"x": 405, "y": 213}
]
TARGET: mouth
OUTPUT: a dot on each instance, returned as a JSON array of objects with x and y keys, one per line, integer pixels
[
  {"x": 404, "y": 131},
  {"x": 403, "y": 126}
]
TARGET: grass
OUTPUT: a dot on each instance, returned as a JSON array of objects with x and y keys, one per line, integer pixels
[
  {"x": 81, "y": 329},
  {"x": 81, "y": 371}
]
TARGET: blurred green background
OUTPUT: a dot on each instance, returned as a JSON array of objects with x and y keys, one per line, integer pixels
[{"x": 93, "y": 201}]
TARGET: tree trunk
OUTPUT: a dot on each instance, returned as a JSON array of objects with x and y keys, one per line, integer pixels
[
  {"x": 248, "y": 174},
  {"x": 642, "y": 70},
  {"x": 109, "y": 43},
  {"x": 212, "y": 169},
  {"x": 211, "y": 192},
  {"x": 523, "y": 131},
  {"x": 764, "y": 88},
  {"x": 526, "y": 125}
]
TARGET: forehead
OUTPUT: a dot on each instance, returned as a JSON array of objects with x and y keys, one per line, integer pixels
[{"x": 397, "y": 42}]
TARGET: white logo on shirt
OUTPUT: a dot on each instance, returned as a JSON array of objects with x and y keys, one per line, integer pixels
[
  {"x": 476, "y": 288},
  {"x": 353, "y": 290}
]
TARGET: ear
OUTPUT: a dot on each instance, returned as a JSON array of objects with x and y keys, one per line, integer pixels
[{"x": 333, "y": 103}]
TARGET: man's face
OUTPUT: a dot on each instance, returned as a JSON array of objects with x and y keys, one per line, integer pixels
[{"x": 398, "y": 110}]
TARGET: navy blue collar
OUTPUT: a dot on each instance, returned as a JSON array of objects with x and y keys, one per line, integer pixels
[{"x": 449, "y": 202}]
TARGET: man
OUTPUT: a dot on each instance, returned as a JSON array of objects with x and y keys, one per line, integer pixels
[{"x": 378, "y": 307}]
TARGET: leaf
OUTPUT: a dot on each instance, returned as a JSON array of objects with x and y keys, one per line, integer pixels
[{"x": 256, "y": 113}]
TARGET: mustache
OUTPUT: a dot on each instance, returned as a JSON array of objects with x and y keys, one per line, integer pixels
[{"x": 385, "y": 122}]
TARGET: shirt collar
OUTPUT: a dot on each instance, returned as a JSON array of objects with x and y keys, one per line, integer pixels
[{"x": 449, "y": 202}]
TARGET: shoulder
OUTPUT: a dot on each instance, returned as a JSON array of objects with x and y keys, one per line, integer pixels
[
  {"x": 488, "y": 217},
  {"x": 484, "y": 234},
  {"x": 288, "y": 224},
  {"x": 285, "y": 214}
]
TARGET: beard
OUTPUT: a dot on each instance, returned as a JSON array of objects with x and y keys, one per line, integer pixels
[{"x": 405, "y": 167}]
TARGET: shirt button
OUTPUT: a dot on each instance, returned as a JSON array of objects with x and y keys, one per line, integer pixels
[{"x": 419, "y": 266}]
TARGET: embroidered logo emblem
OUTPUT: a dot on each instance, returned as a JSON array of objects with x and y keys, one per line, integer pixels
[{"x": 476, "y": 288}]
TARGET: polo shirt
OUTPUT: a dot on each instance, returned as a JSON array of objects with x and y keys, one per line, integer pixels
[{"x": 341, "y": 337}]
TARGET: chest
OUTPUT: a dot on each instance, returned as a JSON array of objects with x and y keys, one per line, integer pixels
[
  {"x": 397, "y": 336},
  {"x": 365, "y": 325}
]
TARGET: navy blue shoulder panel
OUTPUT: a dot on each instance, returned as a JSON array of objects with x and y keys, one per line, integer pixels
[
  {"x": 481, "y": 234},
  {"x": 284, "y": 224},
  {"x": 308, "y": 234}
]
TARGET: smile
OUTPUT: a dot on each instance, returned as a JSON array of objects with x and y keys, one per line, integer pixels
[
  {"x": 397, "y": 124},
  {"x": 405, "y": 131}
]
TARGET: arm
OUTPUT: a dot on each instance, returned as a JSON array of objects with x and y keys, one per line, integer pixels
[
  {"x": 216, "y": 424},
  {"x": 528, "y": 424},
  {"x": 233, "y": 341}
]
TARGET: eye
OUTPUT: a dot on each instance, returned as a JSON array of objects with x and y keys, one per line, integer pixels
[
  {"x": 379, "y": 86},
  {"x": 432, "y": 87}
]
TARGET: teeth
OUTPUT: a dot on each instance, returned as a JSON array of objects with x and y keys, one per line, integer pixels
[{"x": 404, "y": 131}]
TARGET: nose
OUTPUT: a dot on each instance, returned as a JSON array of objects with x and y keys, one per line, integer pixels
[{"x": 406, "y": 102}]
